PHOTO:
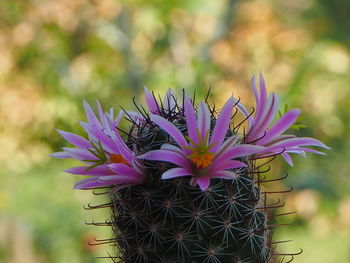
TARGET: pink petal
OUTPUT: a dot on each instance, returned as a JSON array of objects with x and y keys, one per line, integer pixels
[
  {"x": 79, "y": 154},
  {"x": 121, "y": 147},
  {"x": 151, "y": 102},
  {"x": 229, "y": 164},
  {"x": 261, "y": 123},
  {"x": 75, "y": 140},
  {"x": 87, "y": 170},
  {"x": 244, "y": 111},
  {"x": 287, "y": 158},
  {"x": 167, "y": 156},
  {"x": 61, "y": 155},
  {"x": 222, "y": 125},
  {"x": 239, "y": 151},
  {"x": 296, "y": 142},
  {"x": 261, "y": 99},
  {"x": 191, "y": 121},
  {"x": 225, "y": 174},
  {"x": 281, "y": 125},
  {"x": 170, "y": 147},
  {"x": 228, "y": 144},
  {"x": 169, "y": 100},
  {"x": 203, "y": 119},
  {"x": 270, "y": 112},
  {"x": 118, "y": 179},
  {"x": 135, "y": 117},
  {"x": 203, "y": 182},
  {"x": 255, "y": 91},
  {"x": 176, "y": 172},
  {"x": 91, "y": 115},
  {"x": 101, "y": 114},
  {"x": 89, "y": 183},
  {"x": 97, "y": 134},
  {"x": 122, "y": 169},
  {"x": 172, "y": 131}
]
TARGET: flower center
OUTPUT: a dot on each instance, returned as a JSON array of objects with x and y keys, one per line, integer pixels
[
  {"x": 201, "y": 156},
  {"x": 118, "y": 158},
  {"x": 202, "y": 160}
]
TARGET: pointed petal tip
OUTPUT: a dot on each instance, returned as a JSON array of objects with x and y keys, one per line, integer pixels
[
  {"x": 203, "y": 183},
  {"x": 59, "y": 155}
]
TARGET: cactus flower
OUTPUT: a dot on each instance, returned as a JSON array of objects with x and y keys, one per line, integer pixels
[
  {"x": 202, "y": 154},
  {"x": 107, "y": 159},
  {"x": 262, "y": 131}
]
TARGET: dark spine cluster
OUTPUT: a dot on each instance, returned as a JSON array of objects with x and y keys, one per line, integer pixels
[{"x": 171, "y": 221}]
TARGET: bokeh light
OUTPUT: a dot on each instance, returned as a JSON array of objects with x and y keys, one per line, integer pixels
[{"x": 55, "y": 54}]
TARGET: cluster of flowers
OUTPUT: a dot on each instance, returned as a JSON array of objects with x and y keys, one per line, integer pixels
[{"x": 203, "y": 152}]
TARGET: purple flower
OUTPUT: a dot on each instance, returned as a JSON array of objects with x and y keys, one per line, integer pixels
[
  {"x": 161, "y": 108},
  {"x": 203, "y": 154},
  {"x": 262, "y": 132},
  {"x": 167, "y": 105},
  {"x": 107, "y": 159}
]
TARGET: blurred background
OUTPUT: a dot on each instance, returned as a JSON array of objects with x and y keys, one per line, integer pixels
[{"x": 54, "y": 54}]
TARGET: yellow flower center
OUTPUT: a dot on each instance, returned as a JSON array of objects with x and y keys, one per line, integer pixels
[
  {"x": 202, "y": 160},
  {"x": 118, "y": 158},
  {"x": 201, "y": 156}
]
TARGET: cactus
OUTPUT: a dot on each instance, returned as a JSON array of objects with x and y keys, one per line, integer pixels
[{"x": 183, "y": 181}]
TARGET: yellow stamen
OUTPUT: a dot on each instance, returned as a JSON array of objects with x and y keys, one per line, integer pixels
[
  {"x": 202, "y": 160},
  {"x": 118, "y": 158}
]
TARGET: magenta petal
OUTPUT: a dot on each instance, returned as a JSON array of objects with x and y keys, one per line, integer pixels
[
  {"x": 117, "y": 119},
  {"x": 122, "y": 169},
  {"x": 228, "y": 144},
  {"x": 255, "y": 91},
  {"x": 169, "y": 100},
  {"x": 203, "y": 119},
  {"x": 245, "y": 112},
  {"x": 118, "y": 179},
  {"x": 261, "y": 123},
  {"x": 296, "y": 142},
  {"x": 270, "y": 112},
  {"x": 75, "y": 140},
  {"x": 203, "y": 182},
  {"x": 121, "y": 147},
  {"x": 287, "y": 158},
  {"x": 229, "y": 164},
  {"x": 134, "y": 117},
  {"x": 225, "y": 174},
  {"x": 176, "y": 172},
  {"x": 222, "y": 125},
  {"x": 191, "y": 121},
  {"x": 259, "y": 98},
  {"x": 238, "y": 151},
  {"x": 263, "y": 92},
  {"x": 79, "y": 154},
  {"x": 280, "y": 126},
  {"x": 151, "y": 102},
  {"x": 89, "y": 183},
  {"x": 170, "y": 147},
  {"x": 101, "y": 114},
  {"x": 61, "y": 155},
  {"x": 97, "y": 134},
  {"x": 167, "y": 156},
  {"x": 171, "y": 130},
  {"x": 306, "y": 150},
  {"x": 91, "y": 115},
  {"x": 87, "y": 170}
]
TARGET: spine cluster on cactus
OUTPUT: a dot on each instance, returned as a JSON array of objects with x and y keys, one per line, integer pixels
[{"x": 183, "y": 183}]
